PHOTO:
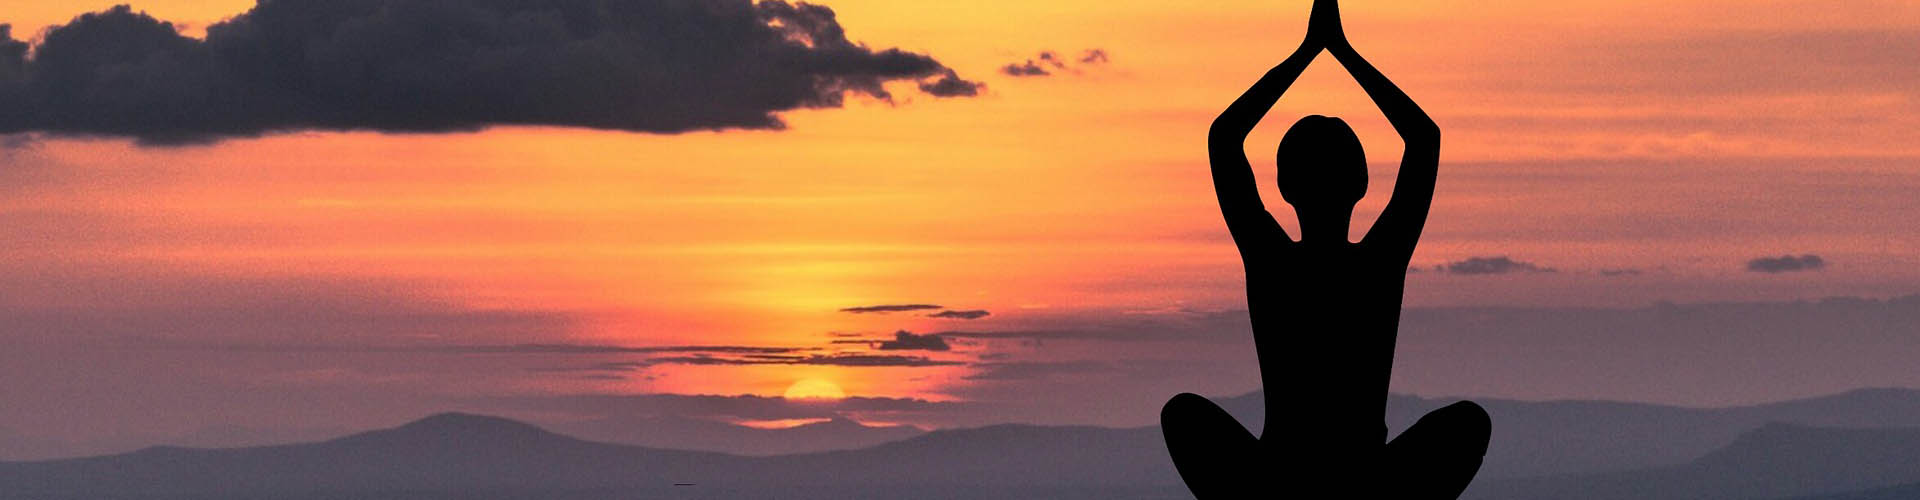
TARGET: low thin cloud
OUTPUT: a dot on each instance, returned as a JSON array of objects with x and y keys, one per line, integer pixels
[
  {"x": 971, "y": 314},
  {"x": 906, "y": 341},
  {"x": 1048, "y": 63},
  {"x": 403, "y": 66},
  {"x": 1024, "y": 69},
  {"x": 555, "y": 348},
  {"x": 1492, "y": 265},
  {"x": 602, "y": 368},
  {"x": 747, "y": 407},
  {"x": 952, "y": 85},
  {"x": 858, "y": 360},
  {"x": 1026, "y": 371},
  {"x": 889, "y": 308},
  {"x": 1786, "y": 264}
]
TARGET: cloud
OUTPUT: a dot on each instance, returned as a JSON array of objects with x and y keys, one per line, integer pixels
[
  {"x": 1024, "y": 69},
  {"x": 1698, "y": 354},
  {"x": 603, "y": 368},
  {"x": 1122, "y": 326},
  {"x": 746, "y": 407},
  {"x": 410, "y": 66},
  {"x": 906, "y": 341},
  {"x": 1621, "y": 272},
  {"x": 967, "y": 314},
  {"x": 951, "y": 85},
  {"x": 1786, "y": 264},
  {"x": 1763, "y": 61},
  {"x": 1493, "y": 265},
  {"x": 13, "y": 55},
  {"x": 1036, "y": 370},
  {"x": 863, "y": 360},
  {"x": 553, "y": 348},
  {"x": 888, "y": 308},
  {"x": 1047, "y": 62}
]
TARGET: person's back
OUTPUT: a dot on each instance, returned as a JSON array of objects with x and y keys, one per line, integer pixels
[{"x": 1325, "y": 311}]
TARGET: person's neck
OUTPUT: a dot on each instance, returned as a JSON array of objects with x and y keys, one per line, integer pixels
[{"x": 1325, "y": 228}]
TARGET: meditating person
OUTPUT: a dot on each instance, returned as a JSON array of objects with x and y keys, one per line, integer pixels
[{"x": 1325, "y": 310}]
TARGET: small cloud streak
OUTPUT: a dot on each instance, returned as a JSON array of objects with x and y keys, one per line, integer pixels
[
  {"x": 967, "y": 314},
  {"x": 852, "y": 360},
  {"x": 1027, "y": 371},
  {"x": 906, "y": 341},
  {"x": 1048, "y": 62},
  {"x": 1492, "y": 265},
  {"x": 890, "y": 308},
  {"x": 1786, "y": 264}
]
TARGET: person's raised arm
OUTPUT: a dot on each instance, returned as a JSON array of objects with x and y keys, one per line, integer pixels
[
  {"x": 1233, "y": 180},
  {"x": 1400, "y": 222}
]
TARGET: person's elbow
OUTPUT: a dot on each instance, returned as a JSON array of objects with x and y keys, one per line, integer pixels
[
  {"x": 1424, "y": 135},
  {"x": 1225, "y": 131}
]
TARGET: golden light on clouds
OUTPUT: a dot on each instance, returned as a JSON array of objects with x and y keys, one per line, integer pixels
[{"x": 813, "y": 389}]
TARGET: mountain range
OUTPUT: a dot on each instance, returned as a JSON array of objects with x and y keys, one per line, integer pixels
[{"x": 1860, "y": 445}]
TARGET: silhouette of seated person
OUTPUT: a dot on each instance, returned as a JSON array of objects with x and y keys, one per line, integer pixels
[{"x": 1325, "y": 311}]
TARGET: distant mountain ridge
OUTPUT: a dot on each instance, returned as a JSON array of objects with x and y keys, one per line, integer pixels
[
  {"x": 682, "y": 433},
  {"x": 1543, "y": 438},
  {"x": 1843, "y": 449},
  {"x": 1774, "y": 461},
  {"x": 471, "y": 456}
]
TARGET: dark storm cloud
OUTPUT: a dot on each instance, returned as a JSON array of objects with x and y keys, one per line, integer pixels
[
  {"x": 888, "y": 308},
  {"x": 867, "y": 360},
  {"x": 906, "y": 341},
  {"x": 1493, "y": 265},
  {"x": 968, "y": 314},
  {"x": 13, "y": 55},
  {"x": 663, "y": 66},
  {"x": 1786, "y": 264}
]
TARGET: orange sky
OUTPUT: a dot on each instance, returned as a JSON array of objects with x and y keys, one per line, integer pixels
[{"x": 1676, "y": 139}]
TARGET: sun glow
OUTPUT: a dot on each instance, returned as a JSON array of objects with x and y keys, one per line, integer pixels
[{"x": 814, "y": 389}]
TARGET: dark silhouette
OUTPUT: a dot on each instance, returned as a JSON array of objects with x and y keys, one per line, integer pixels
[{"x": 1324, "y": 310}]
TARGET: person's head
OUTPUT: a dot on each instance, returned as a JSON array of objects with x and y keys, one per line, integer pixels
[{"x": 1323, "y": 170}]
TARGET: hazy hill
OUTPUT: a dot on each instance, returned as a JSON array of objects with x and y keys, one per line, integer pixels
[
  {"x": 1541, "y": 438},
  {"x": 468, "y": 456},
  {"x": 476, "y": 457},
  {"x": 683, "y": 433},
  {"x": 1774, "y": 461},
  {"x": 1902, "y": 492}
]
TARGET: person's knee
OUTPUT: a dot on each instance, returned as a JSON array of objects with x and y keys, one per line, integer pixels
[
  {"x": 1184, "y": 407},
  {"x": 1466, "y": 422}
]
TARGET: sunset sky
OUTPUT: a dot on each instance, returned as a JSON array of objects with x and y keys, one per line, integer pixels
[{"x": 1599, "y": 158}]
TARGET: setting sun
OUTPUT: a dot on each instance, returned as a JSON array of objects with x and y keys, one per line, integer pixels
[{"x": 814, "y": 388}]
